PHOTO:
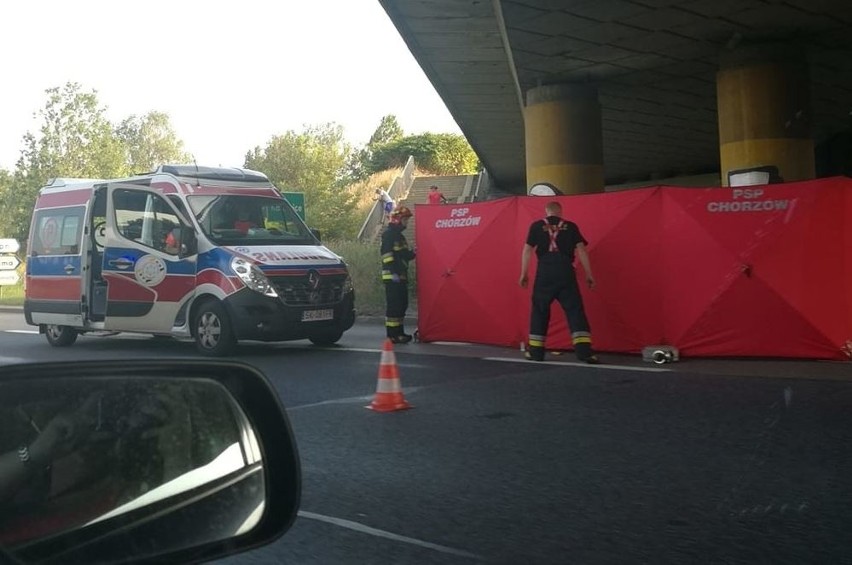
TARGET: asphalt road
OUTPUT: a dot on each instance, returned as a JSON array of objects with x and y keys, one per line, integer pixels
[{"x": 508, "y": 461}]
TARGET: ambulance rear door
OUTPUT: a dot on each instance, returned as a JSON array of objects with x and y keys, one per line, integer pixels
[{"x": 55, "y": 269}]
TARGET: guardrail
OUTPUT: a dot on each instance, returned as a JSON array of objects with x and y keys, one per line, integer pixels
[{"x": 481, "y": 184}]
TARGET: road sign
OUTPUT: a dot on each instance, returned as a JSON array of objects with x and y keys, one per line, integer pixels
[
  {"x": 9, "y": 262},
  {"x": 297, "y": 201},
  {"x": 9, "y": 277},
  {"x": 9, "y": 246}
]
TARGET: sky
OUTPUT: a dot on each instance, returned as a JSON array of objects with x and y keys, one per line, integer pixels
[{"x": 230, "y": 75}]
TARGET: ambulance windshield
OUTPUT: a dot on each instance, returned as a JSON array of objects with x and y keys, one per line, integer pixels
[{"x": 229, "y": 219}]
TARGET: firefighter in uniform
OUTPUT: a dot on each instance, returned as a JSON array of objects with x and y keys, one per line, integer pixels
[
  {"x": 555, "y": 242},
  {"x": 395, "y": 258}
]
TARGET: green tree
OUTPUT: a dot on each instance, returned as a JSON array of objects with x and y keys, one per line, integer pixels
[
  {"x": 437, "y": 153},
  {"x": 150, "y": 141},
  {"x": 358, "y": 167},
  {"x": 74, "y": 139},
  {"x": 388, "y": 130},
  {"x": 9, "y": 205},
  {"x": 454, "y": 155},
  {"x": 312, "y": 161}
]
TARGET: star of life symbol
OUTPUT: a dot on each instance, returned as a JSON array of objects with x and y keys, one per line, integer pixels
[{"x": 150, "y": 270}]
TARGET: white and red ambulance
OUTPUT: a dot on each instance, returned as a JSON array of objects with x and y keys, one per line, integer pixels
[{"x": 215, "y": 254}]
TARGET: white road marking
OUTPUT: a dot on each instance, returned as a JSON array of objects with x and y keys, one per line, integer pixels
[
  {"x": 578, "y": 364},
  {"x": 12, "y": 360},
  {"x": 348, "y": 400},
  {"x": 418, "y": 366},
  {"x": 356, "y": 349},
  {"x": 364, "y": 529}
]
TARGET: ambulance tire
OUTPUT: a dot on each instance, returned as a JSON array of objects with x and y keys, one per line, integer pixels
[
  {"x": 328, "y": 337},
  {"x": 213, "y": 333},
  {"x": 60, "y": 336}
]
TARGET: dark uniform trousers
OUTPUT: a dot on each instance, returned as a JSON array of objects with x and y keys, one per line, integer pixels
[
  {"x": 396, "y": 301},
  {"x": 555, "y": 279}
]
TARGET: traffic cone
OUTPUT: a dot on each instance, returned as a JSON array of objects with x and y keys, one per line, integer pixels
[{"x": 389, "y": 396}]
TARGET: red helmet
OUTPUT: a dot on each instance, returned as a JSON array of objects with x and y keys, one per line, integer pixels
[{"x": 399, "y": 213}]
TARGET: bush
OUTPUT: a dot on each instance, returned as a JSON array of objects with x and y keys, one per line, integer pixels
[
  {"x": 12, "y": 295},
  {"x": 438, "y": 153}
]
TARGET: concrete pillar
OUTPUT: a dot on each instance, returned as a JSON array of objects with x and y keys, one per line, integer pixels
[
  {"x": 564, "y": 144},
  {"x": 764, "y": 112}
]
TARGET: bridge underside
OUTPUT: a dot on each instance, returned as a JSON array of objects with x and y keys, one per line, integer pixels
[{"x": 653, "y": 63}]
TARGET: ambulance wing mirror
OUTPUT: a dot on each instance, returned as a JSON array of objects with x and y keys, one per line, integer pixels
[
  {"x": 189, "y": 242},
  {"x": 132, "y": 461}
]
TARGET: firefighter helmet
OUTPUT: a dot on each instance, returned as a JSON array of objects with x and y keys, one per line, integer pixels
[{"x": 399, "y": 213}]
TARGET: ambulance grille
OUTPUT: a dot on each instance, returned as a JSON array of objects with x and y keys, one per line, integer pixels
[{"x": 297, "y": 291}]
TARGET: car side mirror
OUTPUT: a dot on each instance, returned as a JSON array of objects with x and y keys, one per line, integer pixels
[
  {"x": 189, "y": 242},
  {"x": 145, "y": 460},
  {"x": 317, "y": 234}
]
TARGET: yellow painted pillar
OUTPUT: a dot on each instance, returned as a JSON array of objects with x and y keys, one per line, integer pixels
[
  {"x": 564, "y": 144},
  {"x": 764, "y": 113}
]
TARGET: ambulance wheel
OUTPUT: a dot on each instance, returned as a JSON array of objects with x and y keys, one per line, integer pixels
[
  {"x": 328, "y": 337},
  {"x": 213, "y": 333},
  {"x": 60, "y": 336}
]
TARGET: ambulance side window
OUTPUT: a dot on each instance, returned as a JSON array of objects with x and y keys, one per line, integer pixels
[
  {"x": 275, "y": 218},
  {"x": 146, "y": 218},
  {"x": 57, "y": 231},
  {"x": 178, "y": 203}
]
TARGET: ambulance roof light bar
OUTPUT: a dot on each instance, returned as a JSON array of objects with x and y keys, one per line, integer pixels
[{"x": 214, "y": 173}]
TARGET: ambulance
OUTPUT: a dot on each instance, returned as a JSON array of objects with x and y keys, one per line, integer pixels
[{"x": 212, "y": 254}]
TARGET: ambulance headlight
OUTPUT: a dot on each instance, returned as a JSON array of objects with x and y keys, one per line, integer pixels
[{"x": 252, "y": 277}]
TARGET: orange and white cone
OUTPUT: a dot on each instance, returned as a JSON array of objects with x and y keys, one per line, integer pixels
[{"x": 389, "y": 396}]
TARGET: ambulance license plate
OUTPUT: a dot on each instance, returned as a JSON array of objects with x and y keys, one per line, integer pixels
[{"x": 317, "y": 315}]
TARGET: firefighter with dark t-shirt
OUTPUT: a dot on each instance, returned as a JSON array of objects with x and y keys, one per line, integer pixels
[{"x": 555, "y": 242}]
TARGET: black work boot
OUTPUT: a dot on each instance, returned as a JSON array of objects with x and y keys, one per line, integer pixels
[
  {"x": 534, "y": 353},
  {"x": 585, "y": 354}
]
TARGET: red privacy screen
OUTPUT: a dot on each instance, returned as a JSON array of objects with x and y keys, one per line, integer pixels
[{"x": 759, "y": 271}]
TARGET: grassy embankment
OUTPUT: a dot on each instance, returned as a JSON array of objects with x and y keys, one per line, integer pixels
[
  {"x": 12, "y": 295},
  {"x": 365, "y": 268}
]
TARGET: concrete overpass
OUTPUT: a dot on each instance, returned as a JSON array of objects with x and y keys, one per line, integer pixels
[{"x": 587, "y": 93}]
